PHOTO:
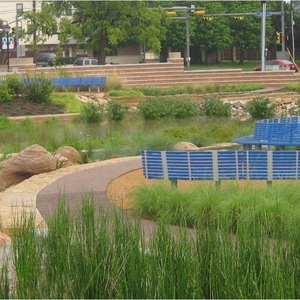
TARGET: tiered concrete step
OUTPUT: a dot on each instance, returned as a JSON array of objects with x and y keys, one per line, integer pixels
[{"x": 172, "y": 73}]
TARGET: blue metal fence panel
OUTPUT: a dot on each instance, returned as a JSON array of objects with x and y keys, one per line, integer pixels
[
  {"x": 231, "y": 165},
  {"x": 201, "y": 165}
]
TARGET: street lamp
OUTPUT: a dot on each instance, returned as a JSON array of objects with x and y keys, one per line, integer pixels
[{"x": 7, "y": 30}]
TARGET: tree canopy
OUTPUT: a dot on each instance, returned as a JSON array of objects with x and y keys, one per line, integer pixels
[{"x": 102, "y": 26}]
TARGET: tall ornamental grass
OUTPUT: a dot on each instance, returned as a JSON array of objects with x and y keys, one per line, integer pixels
[
  {"x": 272, "y": 212},
  {"x": 100, "y": 253}
]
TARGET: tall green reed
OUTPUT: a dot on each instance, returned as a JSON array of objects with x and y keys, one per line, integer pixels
[{"x": 92, "y": 252}]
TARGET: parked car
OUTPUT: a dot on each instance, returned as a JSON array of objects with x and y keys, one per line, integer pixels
[
  {"x": 45, "y": 59},
  {"x": 282, "y": 65},
  {"x": 86, "y": 61}
]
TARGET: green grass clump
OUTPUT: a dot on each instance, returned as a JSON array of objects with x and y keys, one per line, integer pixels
[
  {"x": 257, "y": 211},
  {"x": 197, "y": 89},
  {"x": 68, "y": 100},
  {"x": 293, "y": 87},
  {"x": 125, "y": 93}
]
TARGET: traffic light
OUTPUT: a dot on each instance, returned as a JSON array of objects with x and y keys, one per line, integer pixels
[
  {"x": 13, "y": 30},
  {"x": 207, "y": 18},
  {"x": 238, "y": 18},
  {"x": 199, "y": 12},
  {"x": 278, "y": 38},
  {"x": 286, "y": 37},
  {"x": 171, "y": 13}
]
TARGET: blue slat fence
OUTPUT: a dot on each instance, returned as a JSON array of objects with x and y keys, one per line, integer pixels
[{"x": 217, "y": 165}]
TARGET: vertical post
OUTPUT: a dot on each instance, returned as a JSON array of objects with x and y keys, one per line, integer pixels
[
  {"x": 17, "y": 36},
  {"x": 292, "y": 26},
  {"x": 34, "y": 10},
  {"x": 19, "y": 12},
  {"x": 263, "y": 35},
  {"x": 187, "y": 42},
  {"x": 174, "y": 183},
  {"x": 7, "y": 43},
  {"x": 282, "y": 27}
]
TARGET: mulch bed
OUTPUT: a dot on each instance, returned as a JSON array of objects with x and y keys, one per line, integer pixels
[{"x": 19, "y": 107}]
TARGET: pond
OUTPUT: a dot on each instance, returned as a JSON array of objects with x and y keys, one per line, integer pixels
[{"x": 129, "y": 135}]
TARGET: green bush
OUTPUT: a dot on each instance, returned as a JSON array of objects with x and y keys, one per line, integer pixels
[
  {"x": 116, "y": 111},
  {"x": 91, "y": 113},
  {"x": 261, "y": 108},
  {"x": 4, "y": 93},
  {"x": 183, "y": 108},
  {"x": 15, "y": 85},
  {"x": 160, "y": 107},
  {"x": 154, "y": 108},
  {"x": 214, "y": 107},
  {"x": 38, "y": 89}
]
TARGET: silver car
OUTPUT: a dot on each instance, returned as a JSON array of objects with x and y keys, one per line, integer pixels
[{"x": 86, "y": 61}]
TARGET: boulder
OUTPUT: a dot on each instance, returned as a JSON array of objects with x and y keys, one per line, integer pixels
[
  {"x": 62, "y": 161},
  {"x": 70, "y": 153},
  {"x": 185, "y": 146},
  {"x": 32, "y": 160}
]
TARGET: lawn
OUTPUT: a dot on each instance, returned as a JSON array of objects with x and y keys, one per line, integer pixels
[{"x": 247, "y": 66}]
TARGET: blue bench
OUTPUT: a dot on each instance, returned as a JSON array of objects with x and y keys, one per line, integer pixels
[
  {"x": 74, "y": 81},
  {"x": 79, "y": 81},
  {"x": 278, "y": 132},
  {"x": 217, "y": 165}
]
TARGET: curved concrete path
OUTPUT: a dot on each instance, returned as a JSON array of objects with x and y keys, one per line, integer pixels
[{"x": 40, "y": 193}]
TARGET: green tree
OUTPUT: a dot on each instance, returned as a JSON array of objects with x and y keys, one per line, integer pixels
[
  {"x": 246, "y": 32},
  {"x": 101, "y": 25},
  {"x": 212, "y": 34}
]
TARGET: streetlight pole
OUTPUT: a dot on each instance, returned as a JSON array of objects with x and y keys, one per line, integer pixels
[
  {"x": 263, "y": 35},
  {"x": 7, "y": 30},
  {"x": 188, "y": 58}
]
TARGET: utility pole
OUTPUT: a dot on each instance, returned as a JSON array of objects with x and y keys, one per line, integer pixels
[
  {"x": 292, "y": 25},
  {"x": 34, "y": 10},
  {"x": 282, "y": 28},
  {"x": 19, "y": 12},
  {"x": 263, "y": 35}
]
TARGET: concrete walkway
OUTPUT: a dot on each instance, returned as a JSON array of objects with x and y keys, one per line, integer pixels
[{"x": 39, "y": 194}]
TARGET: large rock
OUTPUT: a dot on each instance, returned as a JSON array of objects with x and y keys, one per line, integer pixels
[
  {"x": 186, "y": 146},
  {"x": 70, "y": 153},
  {"x": 30, "y": 161}
]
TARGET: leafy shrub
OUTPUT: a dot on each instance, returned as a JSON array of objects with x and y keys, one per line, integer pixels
[
  {"x": 214, "y": 107},
  {"x": 183, "y": 108},
  {"x": 15, "y": 85},
  {"x": 154, "y": 108},
  {"x": 116, "y": 111},
  {"x": 4, "y": 93},
  {"x": 260, "y": 108},
  {"x": 91, "y": 113},
  {"x": 160, "y": 107},
  {"x": 38, "y": 89}
]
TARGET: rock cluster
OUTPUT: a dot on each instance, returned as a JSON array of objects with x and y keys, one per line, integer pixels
[
  {"x": 286, "y": 105},
  {"x": 34, "y": 160}
]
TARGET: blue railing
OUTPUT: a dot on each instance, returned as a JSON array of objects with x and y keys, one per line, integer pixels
[{"x": 220, "y": 165}]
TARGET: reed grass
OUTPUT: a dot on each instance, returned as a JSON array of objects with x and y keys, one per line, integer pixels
[{"x": 102, "y": 253}]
